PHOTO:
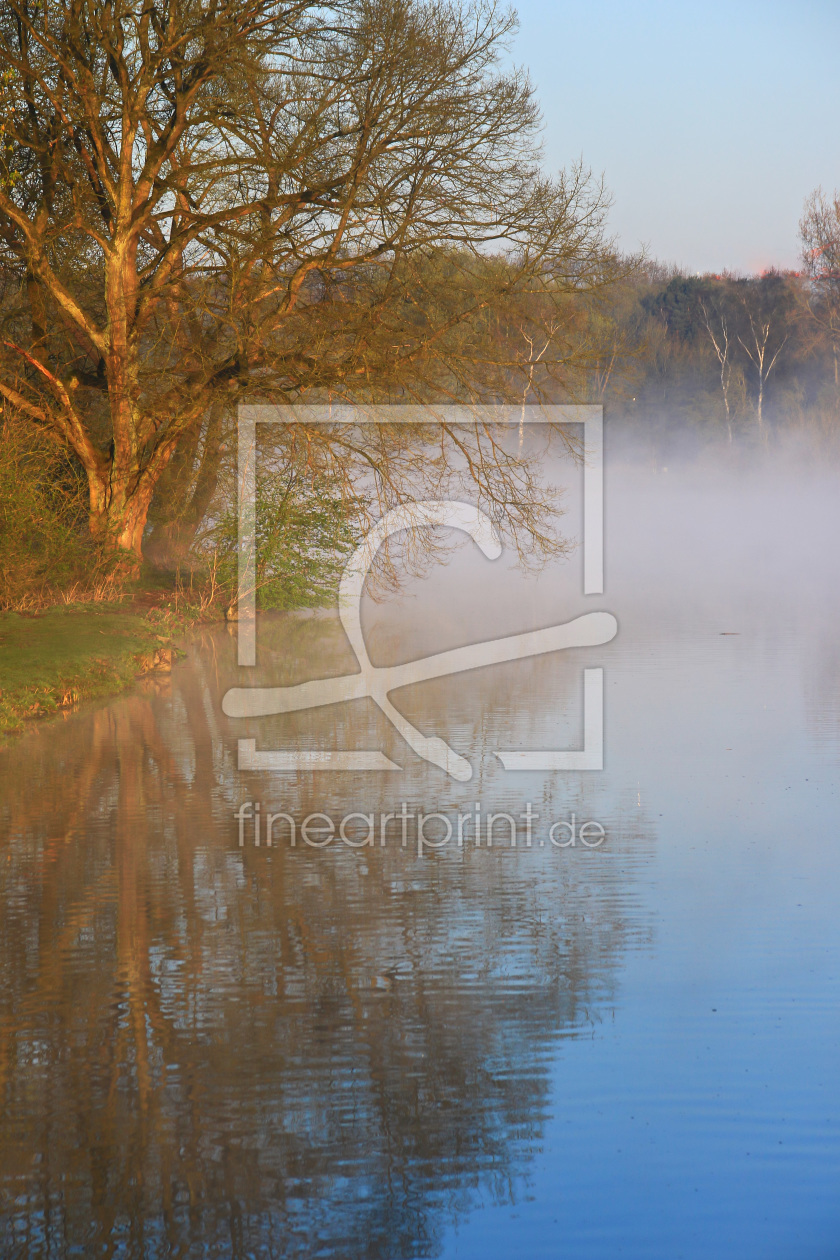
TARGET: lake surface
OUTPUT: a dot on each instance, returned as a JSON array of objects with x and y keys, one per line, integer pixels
[{"x": 213, "y": 1049}]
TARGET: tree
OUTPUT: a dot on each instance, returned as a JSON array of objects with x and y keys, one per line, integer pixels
[
  {"x": 767, "y": 308},
  {"x": 716, "y": 321},
  {"x": 203, "y": 201},
  {"x": 819, "y": 232},
  {"x": 678, "y": 305}
]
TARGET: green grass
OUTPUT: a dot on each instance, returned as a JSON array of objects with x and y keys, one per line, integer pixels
[{"x": 58, "y": 658}]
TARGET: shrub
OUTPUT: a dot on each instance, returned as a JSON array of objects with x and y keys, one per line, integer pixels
[{"x": 44, "y": 548}]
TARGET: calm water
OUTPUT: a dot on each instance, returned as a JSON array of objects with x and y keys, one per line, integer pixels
[{"x": 215, "y": 1050}]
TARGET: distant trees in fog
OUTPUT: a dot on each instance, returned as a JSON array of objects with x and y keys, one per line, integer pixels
[{"x": 736, "y": 354}]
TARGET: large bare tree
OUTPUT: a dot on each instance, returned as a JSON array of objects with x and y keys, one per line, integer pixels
[{"x": 209, "y": 200}]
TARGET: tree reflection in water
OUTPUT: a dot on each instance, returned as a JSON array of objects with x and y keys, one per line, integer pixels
[{"x": 222, "y": 1051}]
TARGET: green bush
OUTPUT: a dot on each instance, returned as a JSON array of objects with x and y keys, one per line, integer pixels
[
  {"x": 44, "y": 548},
  {"x": 305, "y": 530}
]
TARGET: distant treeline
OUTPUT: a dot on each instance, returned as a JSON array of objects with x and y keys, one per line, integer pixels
[{"x": 729, "y": 356}]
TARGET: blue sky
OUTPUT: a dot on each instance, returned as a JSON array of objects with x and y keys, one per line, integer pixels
[{"x": 710, "y": 122}]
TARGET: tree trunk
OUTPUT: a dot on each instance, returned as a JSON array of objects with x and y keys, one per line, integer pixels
[
  {"x": 118, "y": 513},
  {"x": 185, "y": 491}
]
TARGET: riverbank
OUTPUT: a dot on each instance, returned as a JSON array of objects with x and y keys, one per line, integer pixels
[{"x": 54, "y": 660}]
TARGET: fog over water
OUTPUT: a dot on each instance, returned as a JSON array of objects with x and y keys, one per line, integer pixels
[{"x": 209, "y": 1049}]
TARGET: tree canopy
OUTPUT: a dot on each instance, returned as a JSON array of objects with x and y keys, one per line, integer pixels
[{"x": 204, "y": 201}]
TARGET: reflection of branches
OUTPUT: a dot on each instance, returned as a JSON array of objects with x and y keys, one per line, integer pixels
[{"x": 196, "y": 1038}]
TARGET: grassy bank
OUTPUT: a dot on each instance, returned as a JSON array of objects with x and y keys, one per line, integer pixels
[{"x": 58, "y": 658}]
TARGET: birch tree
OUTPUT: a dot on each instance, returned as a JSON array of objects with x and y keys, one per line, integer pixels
[
  {"x": 766, "y": 306},
  {"x": 716, "y": 324}
]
